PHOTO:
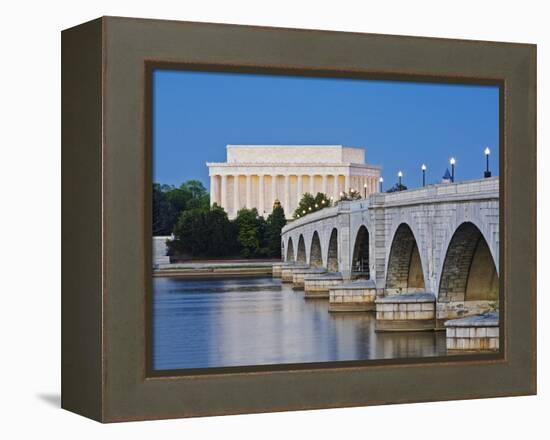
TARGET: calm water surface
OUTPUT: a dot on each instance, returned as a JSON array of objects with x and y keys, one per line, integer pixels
[{"x": 255, "y": 321}]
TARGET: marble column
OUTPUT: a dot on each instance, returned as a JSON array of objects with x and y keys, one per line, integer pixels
[
  {"x": 248, "y": 191},
  {"x": 324, "y": 186},
  {"x": 236, "y": 194},
  {"x": 287, "y": 194},
  {"x": 335, "y": 194},
  {"x": 223, "y": 198},
  {"x": 299, "y": 188},
  {"x": 312, "y": 184},
  {"x": 261, "y": 207},
  {"x": 273, "y": 188},
  {"x": 213, "y": 191},
  {"x": 347, "y": 184}
]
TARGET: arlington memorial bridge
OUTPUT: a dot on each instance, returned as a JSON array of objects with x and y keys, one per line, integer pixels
[{"x": 424, "y": 255}]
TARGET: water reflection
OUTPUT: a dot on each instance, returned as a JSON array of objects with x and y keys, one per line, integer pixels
[{"x": 255, "y": 321}]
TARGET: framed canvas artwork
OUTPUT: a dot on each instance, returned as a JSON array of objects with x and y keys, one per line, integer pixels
[{"x": 263, "y": 219}]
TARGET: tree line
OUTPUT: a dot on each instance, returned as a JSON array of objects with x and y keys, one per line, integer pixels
[{"x": 201, "y": 230}]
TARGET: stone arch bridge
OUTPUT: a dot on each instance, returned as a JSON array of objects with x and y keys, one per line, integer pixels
[{"x": 442, "y": 239}]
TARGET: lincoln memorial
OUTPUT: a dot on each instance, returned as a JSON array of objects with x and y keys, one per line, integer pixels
[{"x": 254, "y": 176}]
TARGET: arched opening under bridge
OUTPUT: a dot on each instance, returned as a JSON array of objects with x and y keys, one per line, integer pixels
[
  {"x": 404, "y": 273},
  {"x": 360, "y": 262},
  {"x": 290, "y": 251},
  {"x": 469, "y": 272},
  {"x": 315, "y": 257},
  {"x": 301, "y": 256},
  {"x": 332, "y": 255}
]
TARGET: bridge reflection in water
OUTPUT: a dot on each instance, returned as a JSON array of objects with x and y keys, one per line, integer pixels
[{"x": 259, "y": 321}]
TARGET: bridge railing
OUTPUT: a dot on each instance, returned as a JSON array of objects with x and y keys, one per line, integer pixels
[
  {"x": 318, "y": 215},
  {"x": 442, "y": 192}
]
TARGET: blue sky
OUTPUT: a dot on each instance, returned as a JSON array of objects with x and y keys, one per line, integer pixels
[{"x": 400, "y": 124}]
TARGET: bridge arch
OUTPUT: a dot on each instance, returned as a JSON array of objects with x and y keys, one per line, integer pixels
[
  {"x": 469, "y": 272},
  {"x": 315, "y": 255},
  {"x": 404, "y": 271},
  {"x": 289, "y": 250},
  {"x": 360, "y": 263},
  {"x": 332, "y": 253},
  {"x": 301, "y": 254}
]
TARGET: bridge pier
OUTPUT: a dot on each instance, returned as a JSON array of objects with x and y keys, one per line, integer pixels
[
  {"x": 298, "y": 276},
  {"x": 356, "y": 296},
  {"x": 474, "y": 333},
  {"x": 448, "y": 310},
  {"x": 345, "y": 248},
  {"x": 406, "y": 312},
  {"x": 317, "y": 286},
  {"x": 287, "y": 272},
  {"x": 278, "y": 267}
]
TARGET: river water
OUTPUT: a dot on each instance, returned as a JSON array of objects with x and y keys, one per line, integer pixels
[{"x": 260, "y": 321}]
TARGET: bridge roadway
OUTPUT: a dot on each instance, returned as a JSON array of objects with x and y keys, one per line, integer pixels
[{"x": 442, "y": 239}]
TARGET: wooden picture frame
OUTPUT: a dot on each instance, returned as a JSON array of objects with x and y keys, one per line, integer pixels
[{"x": 106, "y": 200}]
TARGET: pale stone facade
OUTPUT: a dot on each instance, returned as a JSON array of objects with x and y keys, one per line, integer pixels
[
  {"x": 160, "y": 250},
  {"x": 254, "y": 176}
]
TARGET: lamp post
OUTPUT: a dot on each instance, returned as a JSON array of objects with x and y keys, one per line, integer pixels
[
  {"x": 487, "y": 154},
  {"x": 400, "y": 176},
  {"x": 381, "y": 180},
  {"x": 365, "y": 190},
  {"x": 452, "y": 161},
  {"x": 424, "y": 168}
]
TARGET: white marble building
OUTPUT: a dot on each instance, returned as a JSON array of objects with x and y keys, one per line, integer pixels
[{"x": 254, "y": 176}]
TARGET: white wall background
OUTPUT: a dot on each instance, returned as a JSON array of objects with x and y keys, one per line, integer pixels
[{"x": 30, "y": 217}]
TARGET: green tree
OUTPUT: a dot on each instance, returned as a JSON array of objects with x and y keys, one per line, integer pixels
[
  {"x": 162, "y": 212},
  {"x": 195, "y": 195},
  {"x": 250, "y": 237},
  {"x": 309, "y": 204},
  {"x": 274, "y": 224},
  {"x": 349, "y": 196},
  {"x": 203, "y": 232},
  {"x": 221, "y": 234},
  {"x": 170, "y": 201},
  {"x": 397, "y": 187},
  {"x": 189, "y": 234}
]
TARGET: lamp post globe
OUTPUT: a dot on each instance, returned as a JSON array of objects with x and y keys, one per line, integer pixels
[
  {"x": 452, "y": 161},
  {"x": 487, "y": 173},
  {"x": 424, "y": 168}
]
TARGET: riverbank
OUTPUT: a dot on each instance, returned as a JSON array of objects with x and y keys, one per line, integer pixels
[{"x": 216, "y": 269}]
